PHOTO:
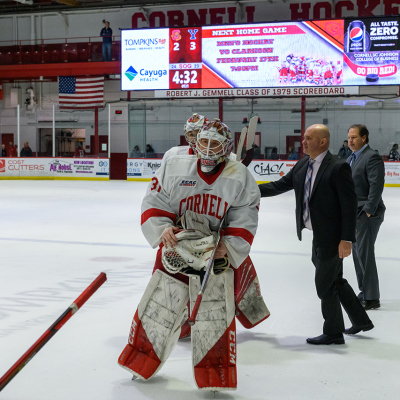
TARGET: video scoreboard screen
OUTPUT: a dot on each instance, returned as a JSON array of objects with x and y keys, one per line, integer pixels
[{"x": 283, "y": 54}]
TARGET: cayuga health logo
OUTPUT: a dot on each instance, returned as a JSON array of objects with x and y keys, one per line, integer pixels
[{"x": 131, "y": 73}]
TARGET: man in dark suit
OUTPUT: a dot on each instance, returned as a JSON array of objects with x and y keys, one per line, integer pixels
[
  {"x": 368, "y": 172},
  {"x": 326, "y": 203}
]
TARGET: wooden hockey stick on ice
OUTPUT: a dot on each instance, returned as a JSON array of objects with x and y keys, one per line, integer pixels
[
  {"x": 193, "y": 315},
  {"x": 64, "y": 317}
]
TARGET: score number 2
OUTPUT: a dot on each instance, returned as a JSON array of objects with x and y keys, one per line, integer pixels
[
  {"x": 192, "y": 46},
  {"x": 185, "y": 77}
]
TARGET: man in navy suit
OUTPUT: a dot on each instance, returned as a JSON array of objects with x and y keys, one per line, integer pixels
[
  {"x": 326, "y": 203},
  {"x": 368, "y": 172}
]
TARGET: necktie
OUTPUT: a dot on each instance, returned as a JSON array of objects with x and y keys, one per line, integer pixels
[
  {"x": 307, "y": 191},
  {"x": 352, "y": 158}
]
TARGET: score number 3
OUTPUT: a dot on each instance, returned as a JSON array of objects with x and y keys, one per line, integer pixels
[{"x": 184, "y": 77}]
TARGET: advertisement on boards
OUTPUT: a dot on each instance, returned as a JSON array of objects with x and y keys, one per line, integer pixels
[
  {"x": 54, "y": 168},
  {"x": 141, "y": 169}
]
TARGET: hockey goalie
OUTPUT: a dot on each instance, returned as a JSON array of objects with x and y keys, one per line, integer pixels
[
  {"x": 250, "y": 306},
  {"x": 181, "y": 213}
]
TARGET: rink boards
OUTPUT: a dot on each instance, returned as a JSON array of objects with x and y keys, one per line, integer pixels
[{"x": 142, "y": 169}]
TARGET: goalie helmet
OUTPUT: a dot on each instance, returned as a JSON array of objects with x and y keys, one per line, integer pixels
[
  {"x": 193, "y": 126},
  {"x": 214, "y": 144}
]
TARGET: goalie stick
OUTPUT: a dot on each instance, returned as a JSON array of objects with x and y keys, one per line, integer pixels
[
  {"x": 251, "y": 134},
  {"x": 57, "y": 325},
  {"x": 240, "y": 144},
  {"x": 193, "y": 314}
]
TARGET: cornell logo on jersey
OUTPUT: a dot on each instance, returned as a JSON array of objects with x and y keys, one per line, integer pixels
[{"x": 186, "y": 183}]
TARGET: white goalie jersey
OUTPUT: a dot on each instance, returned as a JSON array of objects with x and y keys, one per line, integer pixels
[{"x": 180, "y": 185}]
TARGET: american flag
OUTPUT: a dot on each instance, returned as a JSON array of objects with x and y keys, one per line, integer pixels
[{"x": 81, "y": 93}]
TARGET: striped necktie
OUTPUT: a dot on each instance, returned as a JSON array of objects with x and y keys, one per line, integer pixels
[
  {"x": 352, "y": 158},
  {"x": 307, "y": 191}
]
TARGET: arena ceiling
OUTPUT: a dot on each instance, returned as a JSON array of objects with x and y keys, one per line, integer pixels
[{"x": 43, "y": 6}]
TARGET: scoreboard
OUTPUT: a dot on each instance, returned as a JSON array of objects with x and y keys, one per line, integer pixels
[{"x": 263, "y": 55}]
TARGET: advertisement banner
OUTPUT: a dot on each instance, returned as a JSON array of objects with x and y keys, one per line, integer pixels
[
  {"x": 392, "y": 173},
  {"x": 372, "y": 51},
  {"x": 55, "y": 168},
  {"x": 142, "y": 169},
  {"x": 145, "y": 64},
  {"x": 139, "y": 169}
]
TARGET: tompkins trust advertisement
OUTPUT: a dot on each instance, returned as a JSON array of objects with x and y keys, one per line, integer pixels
[{"x": 54, "y": 168}]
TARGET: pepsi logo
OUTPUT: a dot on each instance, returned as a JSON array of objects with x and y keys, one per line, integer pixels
[{"x": 356, "y": 34}]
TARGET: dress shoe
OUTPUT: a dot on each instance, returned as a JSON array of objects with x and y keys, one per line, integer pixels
[
  {"x": 327, "y": 339},
  {"x": 371, "y": 304},
  {"x": 355, "y": 329},
  {"x": 360, "y": 296}
]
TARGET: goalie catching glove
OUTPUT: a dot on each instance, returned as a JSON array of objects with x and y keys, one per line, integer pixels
[{"x": 195, "y": 245}]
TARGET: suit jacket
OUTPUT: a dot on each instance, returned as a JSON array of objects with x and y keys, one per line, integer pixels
[
  {"x": 333, "y": 201},
  {"x": 369, "y": 178}
]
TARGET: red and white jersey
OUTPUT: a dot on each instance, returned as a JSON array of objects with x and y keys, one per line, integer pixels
[
  {"x": 187, "y": 150},
  {"x": 178, "y": 151},
  {"x": 180, "y": 185}
]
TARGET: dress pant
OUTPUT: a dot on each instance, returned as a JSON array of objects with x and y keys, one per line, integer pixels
[
  {"x": 364, "y": 254},
  {"x": 334, "y": 291}
]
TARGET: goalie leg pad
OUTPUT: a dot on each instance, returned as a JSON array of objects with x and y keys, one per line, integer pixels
[
  {"x": 214, "y": 333},
  {"x": 156, "y": 325},
  {"x": 250, "y": 306}
]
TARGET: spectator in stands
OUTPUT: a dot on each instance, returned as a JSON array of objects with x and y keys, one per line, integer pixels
[
  {"x": 136, "y": 152},
  {"x": 26, "y": 151},
  {"x": 394, "y": 154},
  {"x": 12, "y": 150},
  {"x": 256, "y": 151},
  {"x": 79, "y": 152},
  {"x": 3, "y": 150},
  {"x": 149, "y": 151},
  {"x": 106, "y": 33},
  {"x": 344, "y": 151},
  {"x": 274, "y": 154},
  {"x": 292, "y": 155}
]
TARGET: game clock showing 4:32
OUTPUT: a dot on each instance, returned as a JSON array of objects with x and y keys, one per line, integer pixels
[{"x": 185, "y": 60}]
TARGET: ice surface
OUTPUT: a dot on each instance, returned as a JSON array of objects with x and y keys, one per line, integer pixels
[{"x": 57, "y": 236}]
